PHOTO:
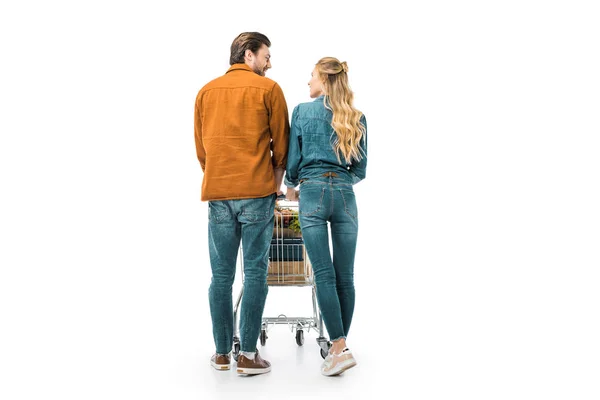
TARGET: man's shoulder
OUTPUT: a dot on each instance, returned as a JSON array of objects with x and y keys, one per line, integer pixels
[
  {"x": 217, "y": 82},
  {"x": 262, "y": 82},
  {"x": 230, "y": 81}
]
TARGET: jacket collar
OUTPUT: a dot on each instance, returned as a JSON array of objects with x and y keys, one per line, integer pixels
[{"x": 242, "y": 67}]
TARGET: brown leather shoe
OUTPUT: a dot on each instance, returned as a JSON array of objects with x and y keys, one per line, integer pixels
[
  {"x": 220, "y": 362},
  {"x": 246, "y": 366}
]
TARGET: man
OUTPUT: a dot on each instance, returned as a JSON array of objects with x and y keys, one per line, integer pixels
[{"x": 242, "y": 130}]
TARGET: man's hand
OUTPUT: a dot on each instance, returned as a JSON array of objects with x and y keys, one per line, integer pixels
[{"x": 278, "y": 174}]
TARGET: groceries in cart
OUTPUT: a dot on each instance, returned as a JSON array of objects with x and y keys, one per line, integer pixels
[{"x": 288, "y": 264}]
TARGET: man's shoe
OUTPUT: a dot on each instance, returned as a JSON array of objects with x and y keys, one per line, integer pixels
[
  {"x": 220, "y": 362},
  {"x": 335, "y": 364},
  {"x": 246, "y": 366}
]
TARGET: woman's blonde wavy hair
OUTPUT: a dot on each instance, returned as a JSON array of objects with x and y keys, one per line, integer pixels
[{"x": 339, "y": 99}]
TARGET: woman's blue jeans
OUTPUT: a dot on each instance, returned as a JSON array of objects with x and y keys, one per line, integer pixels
[
  {"x": 324, "y": 200},
  {"x": 229, "y": 221}
]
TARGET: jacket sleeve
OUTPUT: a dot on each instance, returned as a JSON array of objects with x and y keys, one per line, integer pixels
[
  {"x": 358, "y": 169},
  {"x": 279, "y": 125},
  {"x": 201, "y": 153},
  {"x": 294, "y": 152}
]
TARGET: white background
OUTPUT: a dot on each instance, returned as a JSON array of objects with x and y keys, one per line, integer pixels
[{"x": 478, "y": 256}]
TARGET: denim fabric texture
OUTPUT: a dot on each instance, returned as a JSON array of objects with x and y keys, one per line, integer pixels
[
  {"x": 322, "y": 201},
  {"x": 310, "y": 150},
  {"x": 229, "y": 222},
  {"x": 327, "y": 203}
]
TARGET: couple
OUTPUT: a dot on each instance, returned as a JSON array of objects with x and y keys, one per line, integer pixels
[{"x": 245, "y": 147}]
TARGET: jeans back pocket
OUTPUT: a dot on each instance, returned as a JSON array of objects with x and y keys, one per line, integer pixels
[{"x": 311, "y": 199}]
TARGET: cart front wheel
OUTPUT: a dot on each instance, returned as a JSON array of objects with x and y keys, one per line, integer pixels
[
  {"x": 236, "y": 349},
  {"x": 325, "y": 352},
  {"x": 263, "y": 337},
  {"x": 299, "y": 337}
]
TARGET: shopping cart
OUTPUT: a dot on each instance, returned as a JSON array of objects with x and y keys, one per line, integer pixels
[{"x": 289, "y": 265}]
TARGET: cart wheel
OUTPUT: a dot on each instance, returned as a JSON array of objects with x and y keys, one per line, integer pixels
[
  {"x": 323, "y": 353},
  {"x": 263, "y": 337},
  {"x": 236, "y": 348},
  {"x": 299, "y": 337}
]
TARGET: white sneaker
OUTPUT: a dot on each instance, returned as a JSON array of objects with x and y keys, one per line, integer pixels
[{"x": 335, "y": 364}]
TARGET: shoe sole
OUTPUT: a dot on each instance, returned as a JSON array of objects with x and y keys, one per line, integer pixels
[
  {"x": 253, "y": 371},
  {"x": 220, "y": 367},
  {"x": 341, "y": 367}
]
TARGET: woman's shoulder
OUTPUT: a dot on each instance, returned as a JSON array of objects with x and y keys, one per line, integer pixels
[
  {"x": 305, "y": 106},
  {"x": 310, "y": 109}
]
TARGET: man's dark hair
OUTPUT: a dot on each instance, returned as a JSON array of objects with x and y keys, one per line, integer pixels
[{"x": 246, "y": 41}]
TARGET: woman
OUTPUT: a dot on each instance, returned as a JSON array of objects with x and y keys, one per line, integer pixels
[{"x": 327, "y": 155}]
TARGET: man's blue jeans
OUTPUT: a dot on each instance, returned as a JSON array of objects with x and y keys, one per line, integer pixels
[
  {"x": 329, "y": 200},
  {"x": 229, "y": 221}
]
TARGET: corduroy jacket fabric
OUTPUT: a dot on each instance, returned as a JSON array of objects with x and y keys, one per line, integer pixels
[{"x": 241, "y": 128}]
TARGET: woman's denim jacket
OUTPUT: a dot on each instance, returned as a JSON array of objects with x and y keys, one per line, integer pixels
[{"x": 310, "y": 151}]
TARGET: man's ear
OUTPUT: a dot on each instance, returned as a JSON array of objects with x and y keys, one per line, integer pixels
[{"x": 248, "y": 54}]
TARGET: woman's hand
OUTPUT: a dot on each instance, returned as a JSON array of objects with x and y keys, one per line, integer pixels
[{"x": 291, "y": 194}]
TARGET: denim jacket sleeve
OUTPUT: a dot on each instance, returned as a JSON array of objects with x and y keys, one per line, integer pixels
[
  {"x": 294, "y": 152},
  {"x": 358, "y": 170}
]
